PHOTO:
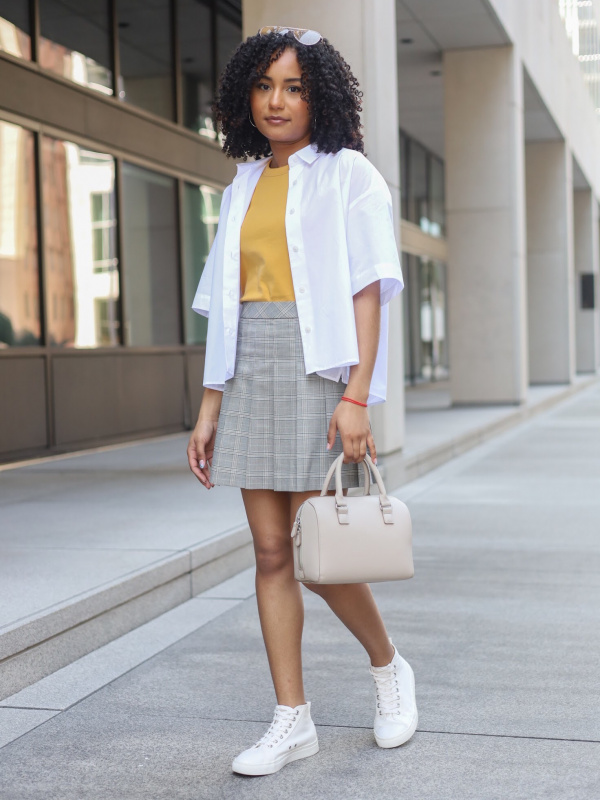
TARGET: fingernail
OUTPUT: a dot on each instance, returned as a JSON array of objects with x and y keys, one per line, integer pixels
[
  {"x": 374, "y": 460},
  {"x": 328, "y": 446},
  {"x": 202, "y": 465}
]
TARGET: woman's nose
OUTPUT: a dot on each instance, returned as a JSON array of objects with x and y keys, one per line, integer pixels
[{"x": 276, "y": 99}]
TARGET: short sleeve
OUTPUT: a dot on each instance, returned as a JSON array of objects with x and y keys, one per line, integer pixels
[
  {"x": 201, "y": 304},
  {"x": 372, "y": 247}
]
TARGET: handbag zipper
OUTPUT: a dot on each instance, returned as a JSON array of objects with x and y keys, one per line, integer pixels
[{"x": 299, "y": 537}]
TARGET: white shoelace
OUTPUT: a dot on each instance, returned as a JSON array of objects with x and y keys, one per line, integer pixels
[
  {"x": 388, "y": 693},
  {"x": 280, "y": 727}
]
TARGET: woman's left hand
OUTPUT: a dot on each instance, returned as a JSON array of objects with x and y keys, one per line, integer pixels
[{"x": 352, "y": 421}]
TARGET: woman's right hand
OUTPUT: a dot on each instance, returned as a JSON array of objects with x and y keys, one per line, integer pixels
[{"x": 200, "y": 450}]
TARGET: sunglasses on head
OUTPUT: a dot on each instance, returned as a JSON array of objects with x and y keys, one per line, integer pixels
[{"x": 303, "y": 35}]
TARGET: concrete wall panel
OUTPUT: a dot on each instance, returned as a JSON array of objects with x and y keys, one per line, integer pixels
[
  {"x": 486, "y": 237},
  {"x": 550, "y": 280},
  {"x": 106, "y": 396},
  {"x": 22, "y": 404}
]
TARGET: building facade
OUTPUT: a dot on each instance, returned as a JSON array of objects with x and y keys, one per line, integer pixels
[{"x": 482, "y": 115}]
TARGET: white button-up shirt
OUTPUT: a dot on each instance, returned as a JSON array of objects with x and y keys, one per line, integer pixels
[{"x": 340, "y": 237}]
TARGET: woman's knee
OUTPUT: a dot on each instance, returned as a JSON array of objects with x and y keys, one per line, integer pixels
[
  {"x": 273, "y": 558},
  {"x": 268, "y": 514}
]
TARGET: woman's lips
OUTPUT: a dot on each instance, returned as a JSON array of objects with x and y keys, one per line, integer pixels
[{"x": 276, "y": 121}]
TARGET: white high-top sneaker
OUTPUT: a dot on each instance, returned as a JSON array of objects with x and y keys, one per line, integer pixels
[
  {"x": 396, "y": 714},
  {"x": 292, "y": 735}
]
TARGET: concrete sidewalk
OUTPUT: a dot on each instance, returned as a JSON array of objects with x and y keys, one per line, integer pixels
[
  {"x": 500, "y": 624},
  {"x": 96, "y": 544}
]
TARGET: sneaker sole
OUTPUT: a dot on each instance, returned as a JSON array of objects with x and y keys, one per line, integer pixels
[
  {"x": 303, "y": 751},
  {"x": 402, "y": 738}
]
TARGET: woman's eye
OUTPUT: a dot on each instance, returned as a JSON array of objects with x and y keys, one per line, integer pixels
[{"x": 266, "y": 86}]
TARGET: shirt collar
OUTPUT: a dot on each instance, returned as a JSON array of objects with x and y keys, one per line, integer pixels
[{"x": 307, "y": 154}]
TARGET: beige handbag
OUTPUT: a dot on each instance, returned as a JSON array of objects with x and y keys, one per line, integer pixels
[{"x": 341, "y": 539}]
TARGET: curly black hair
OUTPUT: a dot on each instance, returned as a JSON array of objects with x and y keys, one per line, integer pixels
[{"x": 327, "y": 85}]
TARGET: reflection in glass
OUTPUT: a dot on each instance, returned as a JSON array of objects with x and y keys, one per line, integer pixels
[
  {"x": 437, "y": 216},
  {"x": 201, "y": 206},
  {"x": 14, "y": 28},
  {"x": 425, "y": 328},
  {"x": 75, "y": 41},
  {"x": 404, "y": 175},
  {"x": 19, "y": 281},
  {"x": 150, "y": 257},
  {"x": 407, "y": 319},
  {"x": 433, "y": 319},
  {"x": 195, "y": 45},
  {"x": 418, "y": 211},
  {"x": 146, "y": 78},
  {"x": 82, "y": 279},
  {"x": 229, "y": 31}
]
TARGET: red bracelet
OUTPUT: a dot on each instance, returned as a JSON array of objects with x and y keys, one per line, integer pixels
[{"x": 358, "y": 403}]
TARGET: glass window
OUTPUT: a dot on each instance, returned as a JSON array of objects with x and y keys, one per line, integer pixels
[
  {"x": 15, "y": 27},
  {"x": 81, "y": 266},
  {"x": 75, "y": 41},
  {"x": 201, "y": 206},
  {"x": 229, "y": 31},
  {"x": 146, "y": 78},
  {"x": 150, "y": 257},
  {"x": 195, "y": 47},
  {"x": 404, "y": 175},
  {"x": 418, "y": 211},
  {"x": 433, "y": 319},
  {"x": 19, "y": 276},
  {"x": 437, "y": 216},
  {"x": 406, "y": 320}
]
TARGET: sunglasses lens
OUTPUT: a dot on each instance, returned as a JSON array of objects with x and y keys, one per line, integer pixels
[
  {"x": 309, "y": 37},
  {"x": 302, "y": 35}
]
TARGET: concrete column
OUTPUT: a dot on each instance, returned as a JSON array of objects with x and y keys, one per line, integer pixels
[
  {"x": 485, "y": 202},
  {"x": 550, "y": 291},
  {"x": 364, "y": 32},
  {"x": 587, "y": 321}
]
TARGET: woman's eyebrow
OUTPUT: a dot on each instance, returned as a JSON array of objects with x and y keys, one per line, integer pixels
[{"x": 285, "y": 80}]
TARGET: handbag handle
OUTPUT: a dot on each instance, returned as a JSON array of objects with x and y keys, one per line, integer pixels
[
  {"x": 328, "y": 477},
  {"x": 341, "y": 506}
]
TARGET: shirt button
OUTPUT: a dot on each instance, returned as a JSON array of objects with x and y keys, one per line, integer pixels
[
  {"x": 302, "y": 292},
  {"x": 233, "y": 253},
  {"x": 231, "y": 293},
  {"x": 294, "y": 183},
  {"x": 307, "y": 329},
  {"x": 295, "y": 249},
  {"x": 291, "y": 210}
]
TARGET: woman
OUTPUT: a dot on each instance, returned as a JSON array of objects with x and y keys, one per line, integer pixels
[{"x": 296, "y": 288}]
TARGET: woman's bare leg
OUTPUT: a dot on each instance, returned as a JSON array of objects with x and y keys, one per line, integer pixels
[
  {"x": 353, "y": 603},
  {"x": 278, "y": 594}
]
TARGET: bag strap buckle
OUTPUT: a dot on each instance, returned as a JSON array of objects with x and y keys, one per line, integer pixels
[
  {"x": 342, "y": 513},
  {"x": 386, "y": 510}
]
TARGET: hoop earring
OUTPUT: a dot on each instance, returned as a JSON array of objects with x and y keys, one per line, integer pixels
[{"x": 250, "y": 118}]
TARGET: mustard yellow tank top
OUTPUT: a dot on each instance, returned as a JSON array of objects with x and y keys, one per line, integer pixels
[{"x": 265, "y": 272}]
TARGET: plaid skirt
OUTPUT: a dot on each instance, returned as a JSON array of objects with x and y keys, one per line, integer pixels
[{"x": 272, "y": 428}]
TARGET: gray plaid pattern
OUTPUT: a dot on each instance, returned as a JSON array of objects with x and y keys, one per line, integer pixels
[{"x": 272, "y": 428}]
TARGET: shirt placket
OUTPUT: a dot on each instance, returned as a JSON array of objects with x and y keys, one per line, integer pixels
[
  {"x": 297, "y": 255},
  {"x": 231, "y": 271}
]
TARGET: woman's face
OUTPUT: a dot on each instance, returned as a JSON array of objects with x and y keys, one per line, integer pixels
[{"x": 277, "y": 94}]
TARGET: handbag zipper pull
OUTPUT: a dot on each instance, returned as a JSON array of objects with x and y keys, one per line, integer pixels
[{"x": 296, "y": 527}]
